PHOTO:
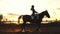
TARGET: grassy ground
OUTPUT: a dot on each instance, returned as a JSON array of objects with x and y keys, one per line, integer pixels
[{"x": 45, "y": 28}]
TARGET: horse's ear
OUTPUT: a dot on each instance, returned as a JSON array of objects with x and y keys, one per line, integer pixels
[{"x": 46, "y": 10}]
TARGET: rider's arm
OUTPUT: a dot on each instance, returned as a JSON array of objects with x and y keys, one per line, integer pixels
[{"x": 36, "y": 12}]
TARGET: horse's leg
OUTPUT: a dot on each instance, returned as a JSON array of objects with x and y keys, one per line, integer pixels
[
  {"x": 38, "y": 27},
  {"x": 23, "y": 26}
]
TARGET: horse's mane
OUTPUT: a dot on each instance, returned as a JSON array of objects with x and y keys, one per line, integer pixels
[{"x": 44, "y": 11}]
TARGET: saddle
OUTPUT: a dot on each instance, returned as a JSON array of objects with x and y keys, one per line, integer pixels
[{"x": 35, "y": 17}]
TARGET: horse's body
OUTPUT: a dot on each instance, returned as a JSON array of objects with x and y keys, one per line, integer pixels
[{"x": 27, "y": 18}]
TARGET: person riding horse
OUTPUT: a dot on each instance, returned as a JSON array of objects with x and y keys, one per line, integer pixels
[{"x": 33, "y": 11}]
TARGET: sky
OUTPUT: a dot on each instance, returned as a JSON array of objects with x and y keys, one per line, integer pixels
[{"x": 24, "y": 6}]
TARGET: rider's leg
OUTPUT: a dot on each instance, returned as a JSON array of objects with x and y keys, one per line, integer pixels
[{"x": 32, "y": 16}]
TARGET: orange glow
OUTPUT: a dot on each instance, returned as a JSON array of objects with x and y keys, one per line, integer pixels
[
  {"x": 10, "y": 30},
  {"x": 13, "y": 18}
]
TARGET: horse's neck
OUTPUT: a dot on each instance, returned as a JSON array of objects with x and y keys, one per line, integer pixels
[{"x": 41, "y": 15}]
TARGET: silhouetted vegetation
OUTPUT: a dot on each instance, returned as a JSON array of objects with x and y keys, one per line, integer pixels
[{"x": 1, "y": 17}]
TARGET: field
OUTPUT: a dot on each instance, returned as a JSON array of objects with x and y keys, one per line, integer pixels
[{"x": 45, "y": 28}]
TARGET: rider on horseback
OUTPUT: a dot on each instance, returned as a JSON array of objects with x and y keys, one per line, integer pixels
[{"x": 33, "y": 11}]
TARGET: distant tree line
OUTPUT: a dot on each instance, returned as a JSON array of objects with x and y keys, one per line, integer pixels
[{"x": 1, "y": 17}]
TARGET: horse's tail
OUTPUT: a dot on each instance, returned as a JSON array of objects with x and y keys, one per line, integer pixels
[{"x": 19, "y": 19}]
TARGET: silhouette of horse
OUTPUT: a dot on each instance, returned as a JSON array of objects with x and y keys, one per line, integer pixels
[{"x": 27, "y": 18}]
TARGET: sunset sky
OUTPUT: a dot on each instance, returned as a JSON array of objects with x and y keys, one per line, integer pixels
[{"x": 23, "y": 7}]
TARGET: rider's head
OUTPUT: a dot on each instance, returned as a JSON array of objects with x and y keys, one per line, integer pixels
[{"x": 33, "y": 6}]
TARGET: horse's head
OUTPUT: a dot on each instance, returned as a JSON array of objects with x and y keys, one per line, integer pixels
[{"x": 46, "y": 13}]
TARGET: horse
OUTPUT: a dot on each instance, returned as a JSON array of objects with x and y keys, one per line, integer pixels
[{"x": 27, "y": 18}]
